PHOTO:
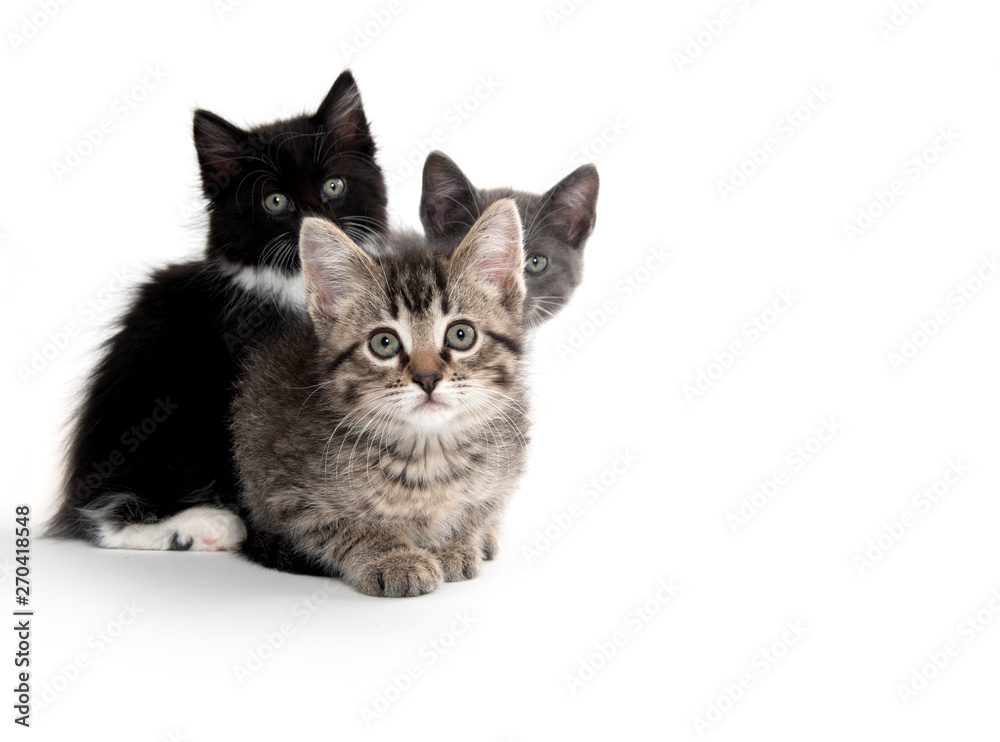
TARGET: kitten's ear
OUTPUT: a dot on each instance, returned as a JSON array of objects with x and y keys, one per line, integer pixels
[
  {"x": 334, "y": 267},
  {"x": 448, "y": 202},
  {"x": 491, "y": 253},
  {"x": 571, "y": 206},
  {"x": 220, "y": 146},
  {"x": 341, "y": 112}
]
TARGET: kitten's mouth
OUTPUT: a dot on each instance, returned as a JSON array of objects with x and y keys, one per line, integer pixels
[{"x": 430, "y": 404}]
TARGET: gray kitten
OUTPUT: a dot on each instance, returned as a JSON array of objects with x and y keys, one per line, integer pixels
[
  {"x": 380, "y": 439},
  {"x": 556, "y": 223}
]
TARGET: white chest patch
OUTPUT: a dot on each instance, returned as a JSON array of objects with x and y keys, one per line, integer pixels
[{"x": 285, "y": 289}]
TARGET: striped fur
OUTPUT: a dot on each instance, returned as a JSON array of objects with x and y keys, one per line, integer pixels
[{"x": 351, "y": 469}]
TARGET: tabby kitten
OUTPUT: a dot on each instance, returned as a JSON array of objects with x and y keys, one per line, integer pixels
[
  {"x": 380, "y": 438},
  {"x": 557, "y": 224},
  {"x": 150, "y": 460}
]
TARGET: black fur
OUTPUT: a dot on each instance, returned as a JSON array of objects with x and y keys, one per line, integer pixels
[{"x": 180, "y": 344}]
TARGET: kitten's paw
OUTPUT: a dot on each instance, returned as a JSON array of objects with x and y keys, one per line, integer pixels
[
  {"x": 491, "y": 542},
  {"x": 195, "y": 529},
  {"x": 460, "y": 561},
  {"x": 401, "y": 574},
  {"x": 206, "y": 529}
]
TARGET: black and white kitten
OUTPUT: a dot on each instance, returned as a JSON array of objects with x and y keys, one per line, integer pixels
[
  {"x": 556, "y": 223},
  {"x": 150, "y": 462}
]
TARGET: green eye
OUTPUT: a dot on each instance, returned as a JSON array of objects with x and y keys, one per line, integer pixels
[
  {"x": 276, "y": 203},
  {"x": 536, "y": 264},
  {"x": 460, "y": 336},
  {"x": 384, "y": 344},
  {"x": 334, "y": 188}
]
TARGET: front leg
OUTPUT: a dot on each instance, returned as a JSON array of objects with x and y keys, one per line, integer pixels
[
  {"x": 381, "y": 562},
  {"x": 462, "y": 555}
]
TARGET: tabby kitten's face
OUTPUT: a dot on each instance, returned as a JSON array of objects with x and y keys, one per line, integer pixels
[
  {"x": 556, "y": 223},
  {"x": 261, "y": 183},
  {"x": 415, "y": 342}
]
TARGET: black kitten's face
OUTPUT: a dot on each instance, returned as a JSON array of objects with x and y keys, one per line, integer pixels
[
  {"x": 262, "y": 182},
  {"x": 556, "y": 226}
]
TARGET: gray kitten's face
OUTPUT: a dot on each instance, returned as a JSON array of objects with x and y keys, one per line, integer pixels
[
  {"x": 556, "y": 226},
  {"x": 415, "y": 343}
]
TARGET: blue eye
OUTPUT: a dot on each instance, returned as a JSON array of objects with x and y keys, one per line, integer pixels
[
  {"x": 334, "y": 187},
  {"x": 384, "y": 344},
  {"x": 276, "y": 203},
  {"x": 460, "y": 336},
  {"x": 536, "y": 264}
]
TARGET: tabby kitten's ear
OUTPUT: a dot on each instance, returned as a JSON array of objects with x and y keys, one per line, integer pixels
[
  {"x": 334, "y": 267},
  {"x": 448, "y": 201},
  {"x": 571, "y": 206},
  {"x": 491, "y": 254},
  {"x": 342, "y": 114},
  {"x": 220, "y": 146}
]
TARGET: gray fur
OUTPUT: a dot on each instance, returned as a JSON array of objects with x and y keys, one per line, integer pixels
[
  {"x": 343, "y": 468},
  {"x": 556, "y": 223}
]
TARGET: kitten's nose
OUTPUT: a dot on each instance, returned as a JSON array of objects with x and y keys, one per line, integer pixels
[{"x": 427, "y": 381}]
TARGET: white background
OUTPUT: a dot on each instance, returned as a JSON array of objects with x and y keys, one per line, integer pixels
[{"x": 676, "y": 131}]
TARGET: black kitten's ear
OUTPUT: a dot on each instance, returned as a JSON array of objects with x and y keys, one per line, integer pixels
[
  {"x": 448, "y": 202},
  {"x": 220, "y": 146},
  {"x": 341, "y": 112},
  {"x": 571, "y": 206}
]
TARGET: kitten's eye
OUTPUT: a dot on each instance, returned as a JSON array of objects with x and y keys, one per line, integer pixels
[
  {"x": 334, "y": 188},
  {"x": 460, "y": 336},
  {"x": 536, "y": 264},
  {"x": 276, "y": 203},
  {"x": 384, "y": 344}
]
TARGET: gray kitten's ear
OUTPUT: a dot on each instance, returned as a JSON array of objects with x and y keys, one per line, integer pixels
[
  {"x": 491, "y": 254},
  {"x": 333, "y": 266},
  {"x": 220, "y": 146},
  {"x": 571, "y": 206},
  {"x": 448, "y": 202},
  {"x": 341, "y": 112}
]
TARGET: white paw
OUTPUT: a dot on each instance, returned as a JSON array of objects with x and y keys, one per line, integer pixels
[
  {"x": 207, "y": 529},
  {"x": 195, "y": 529}
]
